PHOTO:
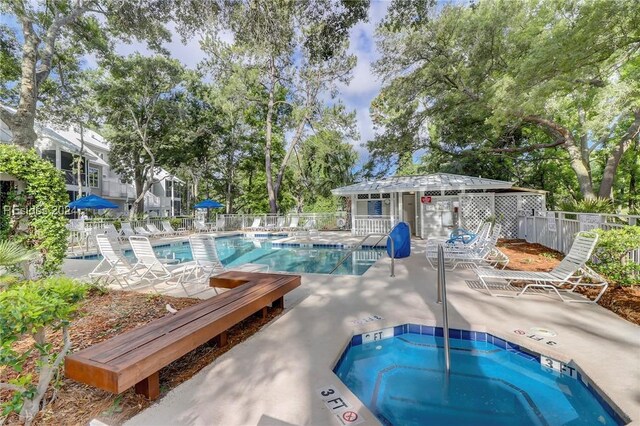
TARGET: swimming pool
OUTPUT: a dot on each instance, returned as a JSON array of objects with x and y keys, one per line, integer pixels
[
  {"x": 492, "y": 382},
  {"x": 287, "y": 257}
]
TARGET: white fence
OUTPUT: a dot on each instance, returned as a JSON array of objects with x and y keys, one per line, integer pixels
[
  {"x": 364, "y": 225},
  {"x": 558, "y": 229},
  {"x": 324, "y": 221}
]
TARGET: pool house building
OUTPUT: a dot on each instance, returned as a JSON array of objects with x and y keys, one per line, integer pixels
[{"x": 434, "y": 204}]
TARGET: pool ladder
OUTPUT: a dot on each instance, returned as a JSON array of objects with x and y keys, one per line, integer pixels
[
  {"x": 354, "y": 248},
  {"x": 442, "y": 299}
]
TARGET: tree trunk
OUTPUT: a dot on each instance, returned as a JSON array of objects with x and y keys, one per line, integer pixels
[
  {"x": 572, "y": 147},
  {"x": 273, "y": 202},
  {"x": 138, "y": 203},
  {"x": 23, "y": 121},
  {"x": 611, "y": 167}
]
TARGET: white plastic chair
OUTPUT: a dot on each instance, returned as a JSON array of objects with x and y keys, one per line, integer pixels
[
  {"x": 293, "y": 225},
  {"x": 141, "y": 231},
  {"x": 483, "y": 252},
  {"x": 126, "y": 230},
  {"x": 150, "y": 267},
  {"x": 168, "y": 229},
  {"x": 113, "y": 266},
  {"x": 155, "y": 231},
  {"x": 570, "y": 272},
  {"x": 205, "y": 256}
]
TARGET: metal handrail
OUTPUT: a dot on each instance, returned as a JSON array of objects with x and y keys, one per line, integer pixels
[
  {"x": 354, "y": 248},
  {"x": 442, "y": 298}
]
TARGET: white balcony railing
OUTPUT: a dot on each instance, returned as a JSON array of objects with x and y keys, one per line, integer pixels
[{"x": 114, "y": 188}]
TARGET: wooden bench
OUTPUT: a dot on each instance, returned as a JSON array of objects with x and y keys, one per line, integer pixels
[{"x": 134, "y": 358}]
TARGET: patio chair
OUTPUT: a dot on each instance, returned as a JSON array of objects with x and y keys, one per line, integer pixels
[
  {"x": 200, "y": 226},
  {"x": 205, "y": 256},
  {"x": 483, "y": 252},
  {"x": 153, "y": 269},
  {"x": 570, "y": 272},
  {"x": 168, "y": 229},
  {"x": 111, "y": 231},
  {"x": 309, "y": 229},
  {"x": 293, "y": 225},
  {"x": 113, "y": 266},
  {"x": 278, "y": 226},
  {"x": 155, "y": 231},
  {"x": 126, "y": 230},
  {"x": 255, "y": 226},
  {"x": 140, "y": 230}
]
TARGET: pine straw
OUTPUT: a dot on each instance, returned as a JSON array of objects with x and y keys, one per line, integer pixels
[
  {"x": 102, "y": 316},
  {"x": 523, "y": 256}
]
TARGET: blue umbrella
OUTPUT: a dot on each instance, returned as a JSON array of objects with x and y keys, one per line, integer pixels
[
  {"x": 92, "y": 202},
  {"x": 208, "y": 204}
]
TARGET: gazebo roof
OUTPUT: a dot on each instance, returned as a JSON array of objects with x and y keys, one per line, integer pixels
[{"x": 432, "y": 182}]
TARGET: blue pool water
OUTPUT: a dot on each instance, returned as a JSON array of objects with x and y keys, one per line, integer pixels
[
  {"x": 238, "y": 250},
  {"x": 401, "y": 380}
]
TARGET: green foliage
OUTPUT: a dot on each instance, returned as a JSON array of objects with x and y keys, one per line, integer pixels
[
  {"x": 42, "y": 208},
  {"x": 511, "y": 88},
  {"x": 26, "y": 310},
  {"x": 589, "y": 205},
  {"x": 12, "y": 253},
  {"x": 612, "y": 252}
]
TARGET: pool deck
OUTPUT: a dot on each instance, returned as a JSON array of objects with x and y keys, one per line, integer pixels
[{"x": 273, "y": 377}]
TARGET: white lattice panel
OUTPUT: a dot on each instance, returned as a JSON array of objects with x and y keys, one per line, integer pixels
[
  {"x": 506, "y": 207},
  {"x": 475, "y": 210},
  {"x": 532, "y": 201}
]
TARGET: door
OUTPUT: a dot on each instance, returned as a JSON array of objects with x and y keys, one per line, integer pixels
[{"x": 409, "y": 211}]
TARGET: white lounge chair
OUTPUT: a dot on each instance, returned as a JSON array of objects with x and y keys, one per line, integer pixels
[
  {"x": 570, "y": 272},
  {"x": 205, "y": 256},
  {"x": 255, "y": 226},
  {"x": 278, "y": 226},
  {"x": 309, "y": 229},
  {"x": 140, "y": 230},
  {"x": 112, "y": 232},
  {"x": 200, "y": 226},
  {"x": 168, "y": 229},
  {"x": 150, "y": 267},
  {"x": 155, "y": 231},
  {"x": 483, "y": 252},
  {"x": 293, "y": 225},
  {"x": 126, "y": 230},
  {"x": 113, "y": 266}
]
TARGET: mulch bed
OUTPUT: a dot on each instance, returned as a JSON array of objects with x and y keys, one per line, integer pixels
[
  {"x": 623, "y": 301},
  {"x": 104, "y": 315}
]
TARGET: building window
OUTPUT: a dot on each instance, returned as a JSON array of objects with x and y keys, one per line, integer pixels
[
  {"x": 50, "y": 155},
  {"x": 94, "y": 177},
  {"x": 168, "y": 188}
]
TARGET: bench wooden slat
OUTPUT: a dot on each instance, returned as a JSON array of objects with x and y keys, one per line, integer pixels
[
  {"x": 134, "y": 358},
  {"x": 104, "y": 352}
]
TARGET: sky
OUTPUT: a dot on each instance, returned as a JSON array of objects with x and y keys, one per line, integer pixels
[{"x": 356, "y": 96}]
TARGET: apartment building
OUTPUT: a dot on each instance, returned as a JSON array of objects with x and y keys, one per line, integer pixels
[{"x": 61, "y": 146}]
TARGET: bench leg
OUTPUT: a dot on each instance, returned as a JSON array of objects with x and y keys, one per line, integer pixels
[
  {"x": 278, "y": 303},
  {"x": 221, "y": 339},
  {"x": 265, "y": 312},
  {"x": 149, "y": 387}
]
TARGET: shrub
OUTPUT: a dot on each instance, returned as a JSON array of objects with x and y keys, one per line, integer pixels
[
  {"x": 30, "y": 309},
  {"x": 175, "y": 222},
  {"x": 589, "y": 205},
  {"x": 43, "y": 203},
  {"x": 612, "y": 254}
]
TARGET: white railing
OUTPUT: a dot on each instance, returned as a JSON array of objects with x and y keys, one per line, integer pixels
[
  {"x": 567, "y": 224},
  {"x": 151, "y": 200},
  {"x": 363, "y": 225},
  {"x": 114, "y": 188},
  {"x": 324, "y": 221}
]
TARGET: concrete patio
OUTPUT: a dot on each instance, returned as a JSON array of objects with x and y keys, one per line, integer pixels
[{"x": 273, "y": 378}]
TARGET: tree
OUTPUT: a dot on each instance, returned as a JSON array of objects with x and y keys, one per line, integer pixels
[
  {"x": 286, "y": 56},
  {"x": 480, "y": 79},
  {"x": 138, "y": 96},
  {"x": 43, "y": 30}
]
